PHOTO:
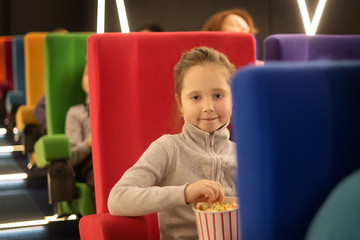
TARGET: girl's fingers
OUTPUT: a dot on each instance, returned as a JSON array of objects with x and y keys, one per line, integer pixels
[
  {"x": 215, "y": 192},
  {"x": 221, "y": 197},
  {"x": 204, "y": 191}
]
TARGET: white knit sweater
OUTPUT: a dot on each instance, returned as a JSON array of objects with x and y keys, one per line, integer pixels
[{"x": 157, "y": 181}]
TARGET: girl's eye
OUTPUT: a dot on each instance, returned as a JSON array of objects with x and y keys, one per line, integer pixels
[
  {"x": 219, "y": 95},
  {"x": 195, "y": 98}
]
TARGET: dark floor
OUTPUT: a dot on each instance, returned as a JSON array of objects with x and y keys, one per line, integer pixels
[{"x": 28, "y": 200}]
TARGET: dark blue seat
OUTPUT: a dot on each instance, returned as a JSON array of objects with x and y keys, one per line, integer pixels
[
  {"x": 297, "y": 129},
  {"x": 17, "y": 96}
]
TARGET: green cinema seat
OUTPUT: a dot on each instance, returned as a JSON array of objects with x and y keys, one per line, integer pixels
[{"x": 65, "y": 58}]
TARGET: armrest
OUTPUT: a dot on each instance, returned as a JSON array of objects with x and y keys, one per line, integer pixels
[
  {"x": 14, "y": 98},
  {"x": 51, "y": 148},
  {"x": 105, "y": 226},
  {"x": 81, "y": 205},
  {"x": 25, "y": 116}
]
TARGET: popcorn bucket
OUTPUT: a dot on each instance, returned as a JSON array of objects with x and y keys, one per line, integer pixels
[{"x": 219, "y": 225}]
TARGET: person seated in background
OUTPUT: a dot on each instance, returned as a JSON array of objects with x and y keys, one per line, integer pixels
[
  {"x": 233, "y": 20},
  {"x": 150, "y": 27},
  {"x": 77, "y": 128},
  {"x": 36, "y": 131},
  {"x": 39, "y": 113}
]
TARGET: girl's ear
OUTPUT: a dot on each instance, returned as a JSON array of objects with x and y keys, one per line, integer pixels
[{"x": 178, "y": 101}]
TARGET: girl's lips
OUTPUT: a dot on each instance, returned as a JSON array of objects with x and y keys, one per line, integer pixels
[{"x": 208, "y": 119}]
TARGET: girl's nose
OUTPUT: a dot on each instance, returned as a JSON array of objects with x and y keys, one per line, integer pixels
[{"x": 208, "y": 105}]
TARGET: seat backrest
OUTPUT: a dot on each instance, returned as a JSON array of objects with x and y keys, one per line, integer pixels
[
  {"x": 6, "y": 71},
  {"x": 132, "y": 99},
  {"x": 34, "y": 66},
  {"x": 19, "y": 64},
  {"x": 65, "y": 58},
  {"x": 9, "y": 76},
  {"x": 2, "y": 58},
  {"x": 299, "y": 47},
  {"x": 297, "y": 133}
]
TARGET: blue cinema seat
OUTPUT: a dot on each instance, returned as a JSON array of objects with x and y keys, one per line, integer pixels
[
  {"x": 297, "y": 129},
  {"x": 16, "y": 97}
]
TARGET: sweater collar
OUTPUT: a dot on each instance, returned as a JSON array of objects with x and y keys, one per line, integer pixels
[{"x": 206, "y": 140}]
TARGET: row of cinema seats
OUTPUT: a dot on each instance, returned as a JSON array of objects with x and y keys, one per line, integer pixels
[
  {"x": 50, "y": 64},
  {"x": 296, "y": 124},
  {"x": 284, "y": 124},
  {"x": 21, "y": 77}
]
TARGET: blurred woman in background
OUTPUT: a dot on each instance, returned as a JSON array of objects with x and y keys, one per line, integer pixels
[{"x": 233, "y": 20}]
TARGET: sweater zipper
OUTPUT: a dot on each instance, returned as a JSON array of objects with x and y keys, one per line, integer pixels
[
  {"x": 211, "y": 140},
  {"x": 215, "y": 163}
]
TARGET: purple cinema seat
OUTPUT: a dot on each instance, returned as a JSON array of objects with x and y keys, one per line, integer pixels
[{"x": 299, "y": 47}]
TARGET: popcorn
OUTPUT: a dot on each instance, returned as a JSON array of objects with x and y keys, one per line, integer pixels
[{"x": 215, "y": 207}]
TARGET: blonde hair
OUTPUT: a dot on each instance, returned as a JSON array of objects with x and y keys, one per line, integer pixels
[
  {"x": 215, "y": 22},
  {"x": 197, "y": 56}
]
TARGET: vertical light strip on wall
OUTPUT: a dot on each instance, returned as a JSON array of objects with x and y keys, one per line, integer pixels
[
  {"x": 304, "y": 15},
  {"x": 101, "y": 17},
  {"x": 311, "y": 27},
  {"x": 317, "y": 16},
  {"x": 122, "y": 16}
]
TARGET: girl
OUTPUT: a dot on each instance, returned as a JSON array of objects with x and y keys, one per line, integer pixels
[{"x": 196, "y": 165}]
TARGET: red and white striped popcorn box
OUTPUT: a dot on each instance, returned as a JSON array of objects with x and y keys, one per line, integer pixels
[{"x": 218, "y": 225}]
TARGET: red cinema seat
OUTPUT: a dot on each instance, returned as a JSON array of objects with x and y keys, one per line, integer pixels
[
  {"x": 132, "y": 103},
  {"x": 6, "y": 72}
]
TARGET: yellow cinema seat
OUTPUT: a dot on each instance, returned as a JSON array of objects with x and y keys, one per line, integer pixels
[{"x": 34, "y": 85}]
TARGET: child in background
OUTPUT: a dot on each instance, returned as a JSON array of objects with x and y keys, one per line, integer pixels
[
  {"x": 197, "y": 165},
  {"x": 77, "y": 128}
]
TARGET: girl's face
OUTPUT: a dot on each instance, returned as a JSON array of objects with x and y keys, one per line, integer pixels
[
  {"x": 206, "y": 100},
  {"x": 235, "y": 23}
]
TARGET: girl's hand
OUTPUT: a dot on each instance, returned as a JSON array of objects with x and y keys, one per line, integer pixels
[{"x": 204, "y": 191}]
